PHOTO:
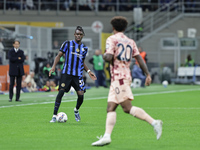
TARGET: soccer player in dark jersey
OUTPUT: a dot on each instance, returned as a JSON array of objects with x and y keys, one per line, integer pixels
[{"x": 72, "y": 73}]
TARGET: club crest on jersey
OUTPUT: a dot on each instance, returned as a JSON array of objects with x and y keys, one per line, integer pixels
[
  {"x": 83, "y": 49},
  {"x": 77, "y": 50},
  {"x": 63, "y": 84}
]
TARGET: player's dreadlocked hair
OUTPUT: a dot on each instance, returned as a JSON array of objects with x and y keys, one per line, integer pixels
[
  {"x": 80, "y": 29},
  {"x": 119, "y": 23}
]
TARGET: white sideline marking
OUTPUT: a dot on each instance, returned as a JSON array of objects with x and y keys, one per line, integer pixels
[{"x": 72, "y": 100}]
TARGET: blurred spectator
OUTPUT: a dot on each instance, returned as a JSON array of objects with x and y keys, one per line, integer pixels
[
  {"x": 190, "y": 5},
  {"x": 30, "y": 79},
  {"x": 110, "y": 5},
  {"x": 139, "y": 30},
  {"x": 68, "y": 4},
  {"x": 73, "y": 7},
  {"x": 98, "y": 66},
  {"x": 53, "y": 86},
  {"x": 29, "y": 87},
  {"x": 56, "y": 45},
  {"x": 29, "y": 5},
  {"x": 85, "y": 5},
  {"x": 24, "y": 87},
  {"x": 102, "y": 5},
  {"x": 189, "y": 62},
  {"x": 46, "y": 70},
  {"x": 137, "y": 71},
  {"x": 46, "y": 87},
  {"x": 146, "y": 5}
]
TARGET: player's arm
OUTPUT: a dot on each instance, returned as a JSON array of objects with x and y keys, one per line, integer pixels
[
  {"x": 143, "y": 66},
  {"x": 91, "y": 74},
  {"x": 56, "y": 60},
  {"x": 108, "y": 57}
]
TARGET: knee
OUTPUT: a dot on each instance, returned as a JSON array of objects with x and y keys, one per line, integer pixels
[
  {"x": 109, "y": 109},
  {"x": 126, "y": 110}
]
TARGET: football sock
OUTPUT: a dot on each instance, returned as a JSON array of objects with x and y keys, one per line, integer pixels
[
  {"x": 57, "y": 105},
  {"x": 75, "y": 110},
  {"x": 110, "y": 122},
  {"x": 106, "y": 135},
  {"x": 141, "y": 114},
  {"x": 58, "y": 101},
  {"x": 79, "y": 101},
  {"x": 54, "y": 115},
  {"x": 153, "y": 123}
]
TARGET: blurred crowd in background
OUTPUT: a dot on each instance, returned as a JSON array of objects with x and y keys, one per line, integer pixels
[{"x": 89, "y": 5}]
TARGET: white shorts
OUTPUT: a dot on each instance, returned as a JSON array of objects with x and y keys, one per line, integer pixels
[{"x": 120, "y": 91}]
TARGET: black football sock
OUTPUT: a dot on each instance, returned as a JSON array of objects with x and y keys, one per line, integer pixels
[
  {"x": 58, "y": 101},
  {"x": 79, "y": 101}
]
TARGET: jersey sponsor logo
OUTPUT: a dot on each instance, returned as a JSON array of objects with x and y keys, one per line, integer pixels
[{"x": 79, "y": 55}]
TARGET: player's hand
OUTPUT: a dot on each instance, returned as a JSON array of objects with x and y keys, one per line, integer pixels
[
  {"x": 92, "y": 75},
  {"x": 51, "y": 71},
  {"x": 148, "y": 80},
  {"x": 19, "y": 58}
]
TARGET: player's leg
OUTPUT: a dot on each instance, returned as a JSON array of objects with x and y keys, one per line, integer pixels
[
  {"x": 57, "y": 104},
  {"x": 111, "y": 117},
  {"x": 141, "y": 114},
  {"x": 65, "y": 84},
  {"x": 79, "y": 102},
  {"x": 110, "y": 123},
  {"x": 79, "y": 86}
]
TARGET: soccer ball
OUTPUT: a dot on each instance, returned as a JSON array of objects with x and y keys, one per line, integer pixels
[
  {"x": 61, "y": 117},
  {"x": 165, "y": 83}
]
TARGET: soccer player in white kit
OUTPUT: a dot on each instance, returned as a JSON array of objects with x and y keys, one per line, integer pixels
[{"x": 119, "y": 51}]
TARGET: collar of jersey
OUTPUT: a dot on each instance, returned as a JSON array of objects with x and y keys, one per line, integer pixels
[{"x": 76, "y": 43}]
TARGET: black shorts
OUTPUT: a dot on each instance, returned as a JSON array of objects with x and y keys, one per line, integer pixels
[{"x": 67, "y": 81}]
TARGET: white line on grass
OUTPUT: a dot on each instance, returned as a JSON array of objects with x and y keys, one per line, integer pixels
[{"x": 96, "y": 98}]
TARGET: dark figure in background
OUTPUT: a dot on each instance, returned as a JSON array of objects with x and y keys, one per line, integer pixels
[
  {"x": 189, "y": 62},
  {"x": 16, "y": 69},
  {"x": 98, "y": 66}
]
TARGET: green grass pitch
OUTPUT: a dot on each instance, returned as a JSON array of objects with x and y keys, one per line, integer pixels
[{"x": 25, "y": 125}]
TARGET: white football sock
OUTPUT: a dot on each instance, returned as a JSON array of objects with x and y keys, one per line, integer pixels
[
  {"x": 153, "y": 123},
  {"x": 106, "y": 135},
  {"x": 141, "y": 114},
  {"x": 110, "y": 122}
]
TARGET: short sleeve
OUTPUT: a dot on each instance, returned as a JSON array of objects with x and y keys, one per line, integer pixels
[
  {"x": 110, "y": 46},
  {"x": 135, "y": 50},
  {"x": 85, "y": 50},
  {"x": 64, "y": 46}
]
